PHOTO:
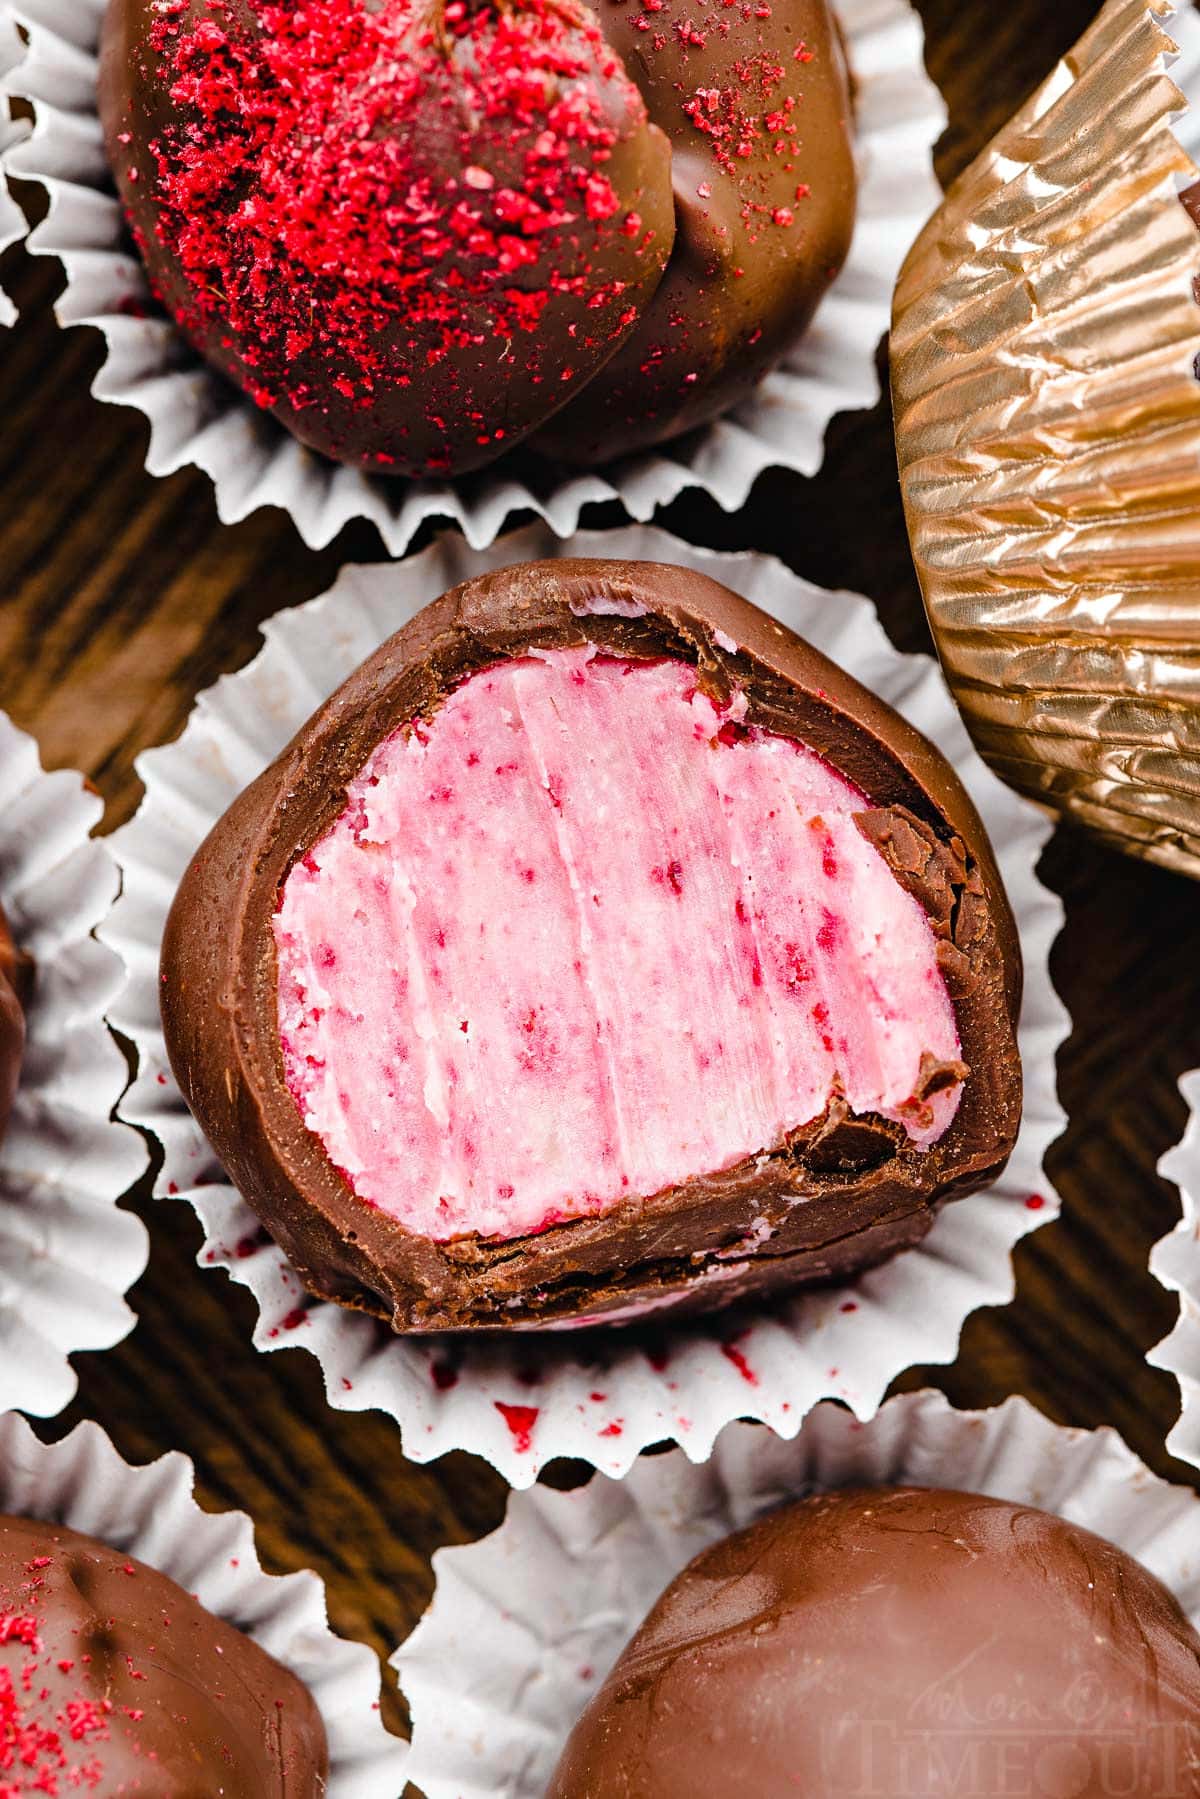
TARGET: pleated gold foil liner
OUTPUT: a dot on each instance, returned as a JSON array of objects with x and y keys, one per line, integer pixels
[{"x": 1048, "y": 430}]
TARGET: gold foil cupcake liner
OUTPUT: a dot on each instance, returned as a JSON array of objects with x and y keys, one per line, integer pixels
[{"x": 1048, "y": 431}]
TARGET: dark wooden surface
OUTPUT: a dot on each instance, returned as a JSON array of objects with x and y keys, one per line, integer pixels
[{"x": 122, "y": 596}]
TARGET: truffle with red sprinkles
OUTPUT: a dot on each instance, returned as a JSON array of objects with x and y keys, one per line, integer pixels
[
  {"x": 115, "y": 1682},
  {"x": 900, "y": 1641},
  {"x": 410, "y": 229},
  {"x": 16, "y": 980},
  {"x": 418, "y": 230}
]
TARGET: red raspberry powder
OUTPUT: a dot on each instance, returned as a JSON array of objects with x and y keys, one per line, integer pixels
[
  {"x": 44, "y": 1748},
  {"x": 353, "y": 193}
]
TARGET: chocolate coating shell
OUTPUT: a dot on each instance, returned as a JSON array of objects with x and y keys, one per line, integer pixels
[
  {"x": 16, "y": 979},
  {"x": 439, "y": 394},
  {"x": 762, "y": 165},
  {"x": 900, "y": 1643},
  {"x": 866, "y": 1190},
  {"x": 118, "y": 1671}
]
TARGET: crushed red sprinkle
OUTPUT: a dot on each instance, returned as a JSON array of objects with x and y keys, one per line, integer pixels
[
  {"x": 39, "y": 1746},
  {"x": 520, "y": 1420},
  {"x": 733, "y": 1354}
]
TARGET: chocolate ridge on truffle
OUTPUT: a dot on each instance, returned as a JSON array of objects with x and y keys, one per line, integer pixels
[
  {"x": 762, "y": 165},
  {"x": 899, "y": 1641},
  {"x": 837, "y": 1196},
  {"x": 114, "y": 1681}
]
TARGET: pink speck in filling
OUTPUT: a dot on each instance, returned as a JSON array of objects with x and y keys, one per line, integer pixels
[
  {"x": 624, "y": 1033},
  {"x": 1035, "y": 1202},
  {"x": 829, "y": 933}
]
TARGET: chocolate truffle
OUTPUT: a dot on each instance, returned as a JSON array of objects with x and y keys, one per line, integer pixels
[
  {"x": 599, "y": 946},
  {"x": 900, "y": 1642},
  {"x": 414, "y": 230},
  {"x": 114, "y": 1681},
  {"x": 16, "y": 980}
]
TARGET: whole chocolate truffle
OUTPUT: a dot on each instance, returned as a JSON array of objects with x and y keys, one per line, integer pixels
[
  {"x": 409, "y": 229},
  {"x": 16, "y": 980},
  {"x": 114, "y": 1681},
  {"x": 414, "y": 230},
  {"x": 598, "y": 946},
  {"x": 900, "y": 1642}
]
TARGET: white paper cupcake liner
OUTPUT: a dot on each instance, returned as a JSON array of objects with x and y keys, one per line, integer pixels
[
  {"x": 12, "y": 131},
  {"x": 521, "y": 1399},
  {"x": 68, "y": 1254},
  {"x": 197, "y": 418},
  {"x": 149, "y": 1513},
  {"x": 525, "y": 1625},
  {"x": 1176, "y": 1263}
]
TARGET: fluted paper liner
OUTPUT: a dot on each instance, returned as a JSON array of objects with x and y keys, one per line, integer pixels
[
  {"x": 68, "y": 1254},
  {"x": 12, "y": 223},
  {"x": 197, "y": 418},
  {"x": 149, "y": 1512},
  {"x": 1048, "y": 429},
  {"x": 1176, "y": 1262},
  {"x": 525, "y": 1625},
  {"x": 518, "y": 1400}
]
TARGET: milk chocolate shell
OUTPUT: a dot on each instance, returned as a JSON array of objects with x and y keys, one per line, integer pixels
[
  {"x": 598, "y": 941},
  {"x": 114, "y": 1681},
  {"x": 16, "y": 979},
  {"x": 414, "y": 230},
  {"x": 897, "y": 1642}
]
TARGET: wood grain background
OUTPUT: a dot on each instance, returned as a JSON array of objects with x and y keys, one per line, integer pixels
[{"x": 122, "y": 596}]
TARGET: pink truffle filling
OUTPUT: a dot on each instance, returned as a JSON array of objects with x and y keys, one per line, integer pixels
[{"x": 584, "y": 936}]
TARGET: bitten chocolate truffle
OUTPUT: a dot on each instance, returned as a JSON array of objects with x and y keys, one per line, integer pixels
[
  {"x": 16, "y": 981},
  {"x": 414, "y": 231},
  {"x": 598, "y": 947},
  {"x": 900, "y": 1642},
  {"x": 114, "y": 1681}
]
